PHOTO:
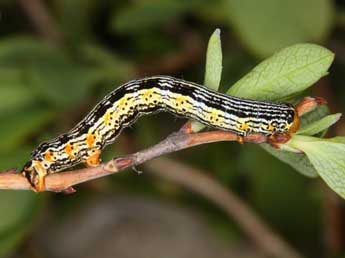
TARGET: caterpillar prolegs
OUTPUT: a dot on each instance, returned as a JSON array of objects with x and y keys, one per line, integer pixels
[{"x": 123, "y": 106}]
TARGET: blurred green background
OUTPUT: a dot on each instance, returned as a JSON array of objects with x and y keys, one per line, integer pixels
[{"x": 58, "y": 58}]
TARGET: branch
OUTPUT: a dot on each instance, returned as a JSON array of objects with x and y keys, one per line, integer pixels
[{"x": 177, "y": 141}]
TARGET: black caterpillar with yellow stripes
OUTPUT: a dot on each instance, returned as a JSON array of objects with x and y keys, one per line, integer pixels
[{"x": 125, "y": 104}]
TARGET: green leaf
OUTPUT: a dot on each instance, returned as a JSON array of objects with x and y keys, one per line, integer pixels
[
  {"x": 213, "y": 68},
  {"x": 298, "y": 161},
  {"x": 213, "y": 71},
  {"x": 268, "y": 25},
  {"x": 16, "y": 127},
  {"x": 337, "y": 139},
  {"x": 313, "y": 116},
  {"x": 320, "y": 125},
  {"x": 313, "y": 122},
  {"x": 286, "y": 73},
  {"x": 328, "y": 158}
]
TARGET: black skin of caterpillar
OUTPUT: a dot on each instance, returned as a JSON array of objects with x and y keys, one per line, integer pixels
[{"x": 123, "y": 106}]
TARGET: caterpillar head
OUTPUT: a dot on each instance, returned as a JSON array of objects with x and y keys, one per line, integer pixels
[
  {"x": 295, "y": 122},
  {"x": 36, "y": 169}
]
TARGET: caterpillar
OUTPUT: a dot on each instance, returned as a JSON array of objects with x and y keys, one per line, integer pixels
[{"x": 124, "y": 105}]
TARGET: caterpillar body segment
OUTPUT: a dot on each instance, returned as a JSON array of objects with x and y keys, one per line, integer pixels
[{"x": 123, "y": 106}]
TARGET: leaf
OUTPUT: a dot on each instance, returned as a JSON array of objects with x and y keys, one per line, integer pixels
[
  {"x": 286, "y": 73},
  {"x": 337, "y": 139},
  {"x": 298, "y": 161},
  {"x": 268, "y": 25},
  {"x": 213, "y": 71},
  {"x": 314, "y": 122},
  {"x": 328, "y": 158},
  {"x": 281, "y": 76},
  {"x": 313, "y": 116},
  {"x": 319, "y": 125},
  {"x": 213, "y": 68}
]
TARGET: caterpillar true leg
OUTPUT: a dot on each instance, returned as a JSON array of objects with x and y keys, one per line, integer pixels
[{"x": 94, "y": 159}]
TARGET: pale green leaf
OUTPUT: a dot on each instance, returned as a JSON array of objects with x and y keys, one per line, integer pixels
[
  {"x": 268, "y": 25},
  {"x": 281, "y": 76},
  {"x": 298, "y": 161},
  {"x": 286, "y": 73},
  {"x": 337, "y": 139},
  {"x": 197, "y": 126},
  {"x": 320, "y": 125},
  {"x": 327, "y": 157},
  {"x": 213, "y": 71},
  {"x": 313, "y": 116}
]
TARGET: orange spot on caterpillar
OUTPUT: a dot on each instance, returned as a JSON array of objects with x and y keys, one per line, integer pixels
[
  {"x": 90, "y": 139},
  {"x": 69, "y": 149},
  {"x": 48, "y": 156}
]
